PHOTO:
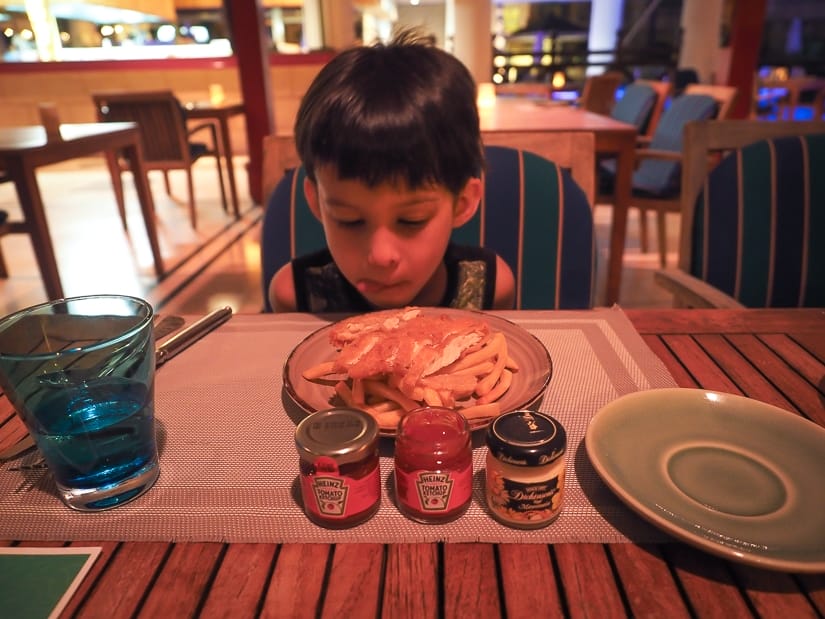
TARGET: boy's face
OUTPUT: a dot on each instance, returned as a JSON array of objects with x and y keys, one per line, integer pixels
[{"x": 388, "y": 240}]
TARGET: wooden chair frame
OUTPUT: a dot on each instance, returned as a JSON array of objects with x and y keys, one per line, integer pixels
[
  {"x": 569, "y": 149},
  {"x": 704, "y": 142},
  {"x": 176, "y": 156}
]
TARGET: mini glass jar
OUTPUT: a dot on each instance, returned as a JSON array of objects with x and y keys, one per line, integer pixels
[
  {"x": 340, "y": 472},
  {"x": 433, "y": 465},
  {"x": 525, "y": 469}
]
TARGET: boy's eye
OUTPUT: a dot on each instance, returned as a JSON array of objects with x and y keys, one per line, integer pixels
[
  {"x": 349, "y": 223},
  {"x": 412, "y": 222}
]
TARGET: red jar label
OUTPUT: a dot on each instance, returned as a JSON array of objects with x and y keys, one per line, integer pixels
[
  {"x": 434, "y": 492},
  {"x": 330, "y": 495}
]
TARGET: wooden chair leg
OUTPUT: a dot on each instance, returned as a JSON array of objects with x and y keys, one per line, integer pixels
[
  {"x": 220, "y": 180},
  {"x": 166, "y": 182},
  {"x": 660, "y": 221},
  {"x": 117, "y": 184},
  {"x": 191, "y": 187},
  {"x": 4, "y": 270},
  {"x": 643, "y": 237}
]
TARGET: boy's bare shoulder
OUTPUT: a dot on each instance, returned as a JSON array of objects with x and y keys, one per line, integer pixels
[{"x": 282, "y": 290}]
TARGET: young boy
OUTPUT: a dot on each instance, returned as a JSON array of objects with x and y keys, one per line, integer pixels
[{"x": 389, "y": 138}]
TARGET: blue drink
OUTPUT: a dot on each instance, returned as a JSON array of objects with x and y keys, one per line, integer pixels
[
  {"x": 99, "y": 437},
  {"x": 80, "y": 372}
]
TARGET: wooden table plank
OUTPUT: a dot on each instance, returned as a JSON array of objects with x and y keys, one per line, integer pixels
[
  {"x": 773, "y": 594},
  {"x": 707, "y": 583},
  {"x": 671, "y": 321},
  {"x": 183, "y": 580},
  {"x": 411, "y": 582},
  {"x": 522, "y": 567},
  {"x": 699, "y": 364},
  {"x": 797, "y": 357},
  {"x": 648, "y": 584},
  {"x": 588, "y": 582},
  {"x": 354, "y": 583},
  {"x": 107, "y": 550},
  {"x": 814, "y": 587},
  {"x": 803, "y": 395},
  {"x": 240, "y": 582},
  {"x": 296, "y": 586},
  {"x": 747, "y": 378},
  {"x": 126, "y": 580},
  {"x": 671, "y": 361},
  {"x": 470, "y": 581}
]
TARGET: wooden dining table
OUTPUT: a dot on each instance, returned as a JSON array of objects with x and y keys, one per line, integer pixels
[
  {"x": 220, "y": 113},
  {"x": 776, "y": 356},
  {"x": 24, "y": 149}
]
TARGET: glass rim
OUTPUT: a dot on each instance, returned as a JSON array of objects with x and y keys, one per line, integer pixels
[{"x": 10, "y": 319}]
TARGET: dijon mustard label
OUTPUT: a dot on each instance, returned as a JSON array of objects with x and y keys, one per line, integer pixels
[{"x": 526, "y": 503}]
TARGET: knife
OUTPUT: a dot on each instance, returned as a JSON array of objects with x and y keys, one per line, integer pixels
[{"x": 191, "y": 334}]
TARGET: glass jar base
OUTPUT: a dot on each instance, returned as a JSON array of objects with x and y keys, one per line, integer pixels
[
  {"x": 343, "y": 523},
  {"x": 524, "y": 524},
  {"x": 99, "y": 499},
  {"x": 432, "y": 518}
]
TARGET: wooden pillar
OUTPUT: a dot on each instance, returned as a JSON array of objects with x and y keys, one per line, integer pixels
[
  {"x": 746, "y": 37},
  {"x": 473, "y": 38},
  {"x": 251, "y": 48}
]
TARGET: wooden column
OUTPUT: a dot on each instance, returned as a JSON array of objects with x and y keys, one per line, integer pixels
[{"x": 251, "y": 49}]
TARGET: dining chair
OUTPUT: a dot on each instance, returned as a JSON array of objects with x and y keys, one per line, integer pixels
[
  {"x": 599, "y": 92},
  {"x": 725, "y": 97},
  {"x": 533, "y": 214},
  {"x": 663, "y": 91},
  {"x": 751, "y": 231},
  {"x": 656, "y": 179},
  {"x": 635, "y": 106},
  {"x": 165, "y": 139}
]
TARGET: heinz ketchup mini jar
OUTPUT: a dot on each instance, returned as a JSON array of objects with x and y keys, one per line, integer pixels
[{"x": 433, "y": 465}]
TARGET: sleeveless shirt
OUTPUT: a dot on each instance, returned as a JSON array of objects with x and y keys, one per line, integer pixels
[{"x": 320, "y": 287}]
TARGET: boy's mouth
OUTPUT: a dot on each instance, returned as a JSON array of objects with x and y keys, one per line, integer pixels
[{"x": 371, "y": 286}]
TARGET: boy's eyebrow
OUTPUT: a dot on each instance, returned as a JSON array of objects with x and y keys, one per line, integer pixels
[{"x": 412, "y": 201}]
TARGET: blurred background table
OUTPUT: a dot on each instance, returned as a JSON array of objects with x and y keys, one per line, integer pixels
[{"x": 24, "y": 149}]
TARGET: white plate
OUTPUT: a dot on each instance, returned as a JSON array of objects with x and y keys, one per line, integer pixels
[
  {"x": 736, "y": 477},
  {"x": 529, "y": 383}
]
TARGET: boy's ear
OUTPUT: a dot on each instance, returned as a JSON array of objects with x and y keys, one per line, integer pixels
[
  {"x": 467, "y": 202},
  {"x": 311, "y": 195}
]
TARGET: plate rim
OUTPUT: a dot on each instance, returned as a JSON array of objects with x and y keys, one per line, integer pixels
[
  {"x": 632, "y": 499},
  {"x": 486, "y": 315}
]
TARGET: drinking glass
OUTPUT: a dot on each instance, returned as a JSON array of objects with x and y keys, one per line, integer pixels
[{"x": 80, "y": 373}]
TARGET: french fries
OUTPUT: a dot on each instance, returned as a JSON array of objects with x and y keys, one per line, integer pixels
[{"x": 472, "y": 383}]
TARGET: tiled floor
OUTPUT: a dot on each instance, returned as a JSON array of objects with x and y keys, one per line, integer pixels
[{"x": 217, "y": 265}]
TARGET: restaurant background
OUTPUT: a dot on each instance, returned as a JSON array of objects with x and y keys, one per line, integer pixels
[{"x": 61, "y": 52}]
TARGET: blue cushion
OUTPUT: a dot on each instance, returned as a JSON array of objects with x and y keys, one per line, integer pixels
[
  {"x": 635, "y": 105},
  {"x": 660, "y": 177}
]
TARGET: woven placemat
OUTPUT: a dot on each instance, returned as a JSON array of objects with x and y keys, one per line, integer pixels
[{"x": 229, "y": 466}]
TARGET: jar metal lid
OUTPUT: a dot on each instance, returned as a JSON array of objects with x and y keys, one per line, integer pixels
[
  {"x": 526, "y": 438},
  {"x": 344, "y": 434}
]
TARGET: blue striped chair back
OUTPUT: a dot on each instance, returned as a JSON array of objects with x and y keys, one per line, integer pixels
[
  {"x": 759, "y": 223},
  {"x": 533, "y": 214},
  {"x": 660, "y": 177},
  {"x": 635, "y": 106}
]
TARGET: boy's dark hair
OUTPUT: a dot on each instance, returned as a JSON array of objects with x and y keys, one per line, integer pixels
[{"x": 398, "y": 112}]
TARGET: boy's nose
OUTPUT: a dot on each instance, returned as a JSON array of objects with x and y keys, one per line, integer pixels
[{"x": 383, "y": 249}]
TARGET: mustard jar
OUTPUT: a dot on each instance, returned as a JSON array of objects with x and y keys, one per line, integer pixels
[{"x": 525, "y": 469}]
